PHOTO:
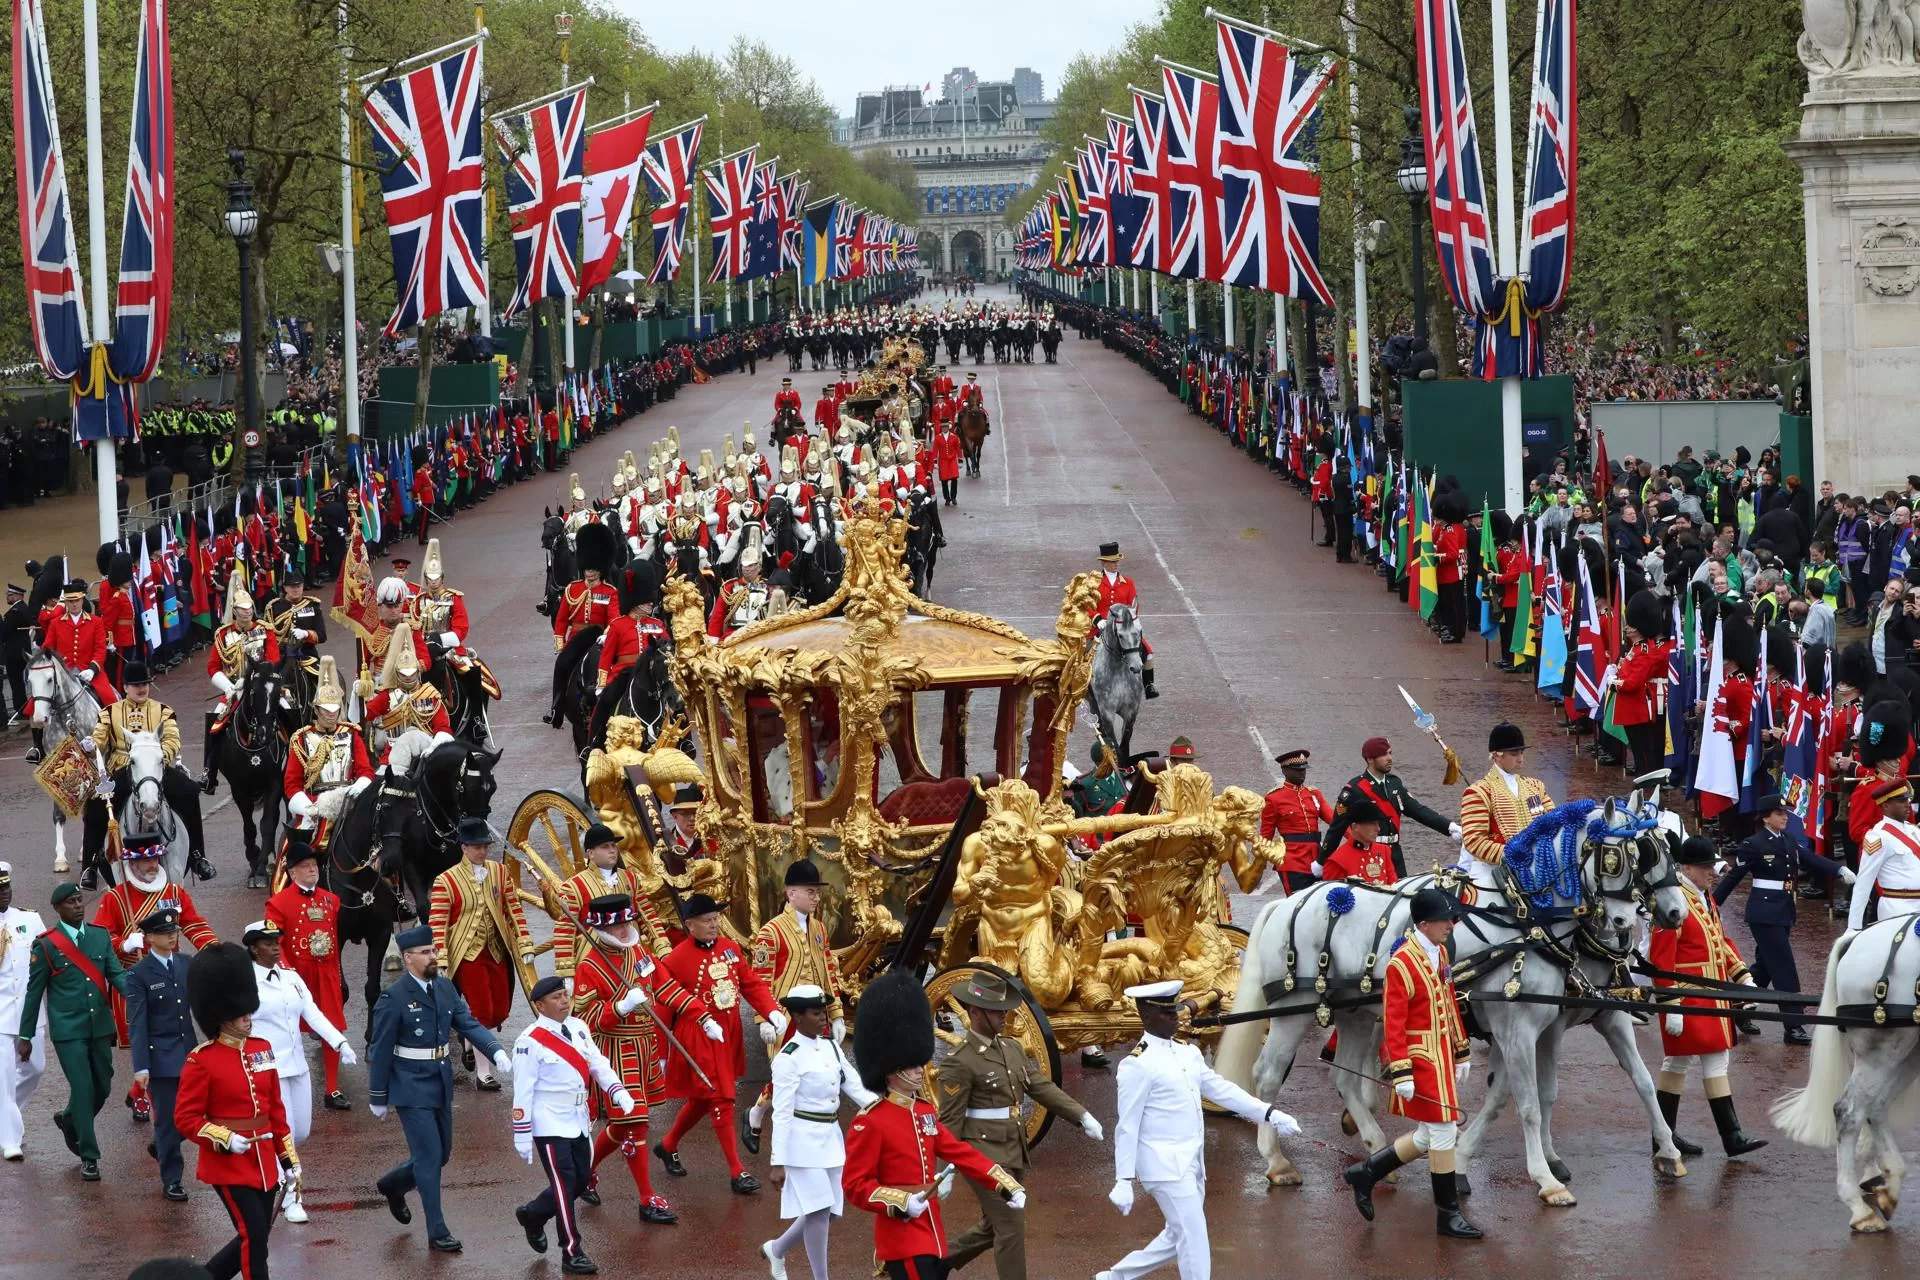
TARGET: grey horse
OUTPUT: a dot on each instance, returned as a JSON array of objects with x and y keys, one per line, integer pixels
[{"x": 1118, "y": 684}]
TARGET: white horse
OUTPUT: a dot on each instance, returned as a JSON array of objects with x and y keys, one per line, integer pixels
[
  {"x": 1865, "y": 1084},
  {"x": 144, "y": 809},
  {"x": 1118, "y": 681},
  {"x": 64, "y": 706},
  {"x": 1580, "y": 873}
]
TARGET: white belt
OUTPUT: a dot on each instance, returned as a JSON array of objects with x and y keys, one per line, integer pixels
[
  {"x": 420, "y": 1055},
  {"x": 989, "y": 1113},
  {"x": 1770, "y": 884}
]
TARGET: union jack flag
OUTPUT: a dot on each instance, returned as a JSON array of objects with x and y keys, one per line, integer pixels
[
  {"x": 1190, "y": 248},
  {"x": 793, "y": 199},
  {"x": 545, "y": 154},
  {"x": 1546, "y": 250},
  {"x": 145, "y": 286},
  {"x": 1147, "y": 176},
  {"x": 1269, "y": 195},
  {"x": 1457, "y": 196},
  {"x": 1587, "y": 690},
  {"x": 845, "y": 220},
  {"x": 427, "y": 142},
  {"x": 54, "y": 300},
  {"x": 1096, "y": 212},
  {"x": 669, "y": 165},
  {"x": 730, "y": 214}
]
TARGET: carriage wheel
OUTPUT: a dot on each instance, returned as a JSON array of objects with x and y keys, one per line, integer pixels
[
  {"x": 1238, "y": 938},
  {"x": 1026, "y": 1023},
  {"x": 551, "y": 825}
]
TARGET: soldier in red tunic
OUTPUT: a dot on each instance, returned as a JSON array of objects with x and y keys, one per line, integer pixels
[
  {"x": 1640, "y": 682},
  {"x": 229, "y": 1103},
  {"x": 1425, "y": 1050},
  {"x": 308, "y": 918},
  {"x": 716, "y": 971},
  {"x": 615, "y": 989},
  {"x": 1360, "y": 856},
  {"x": 1118, "y": 588},
  {"x": 897, "y": 1147},
  {"x": 78, "y": 639},
  {"x": 585, "y": 608},
  {"x": 1293, "y": 812},
  {"x": 787, "y": 398},
  {"x": 117, "y": 613},
  {"x": 1699, "y": 947},
  {"x": 946, "y": 450}
]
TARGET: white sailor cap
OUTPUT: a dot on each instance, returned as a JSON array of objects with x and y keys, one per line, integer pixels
[
  {"x": 804, "y": 996},
  {"x": 1154, "y": 992}
]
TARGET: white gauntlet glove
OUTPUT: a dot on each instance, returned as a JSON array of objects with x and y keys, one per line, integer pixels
[
  {"x": 1018, "y": 1200},
  {"x": 712, "y": 1028},
  {"x": 1121, "y": 1197},
  {"x": 916, "y": 1204},
  {"x": 1674, "y": 1024},
  {"x": 1403, "y": 1089}
]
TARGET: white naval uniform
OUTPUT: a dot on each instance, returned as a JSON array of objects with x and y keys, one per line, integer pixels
[
  {"x": 550, "y": 1100},
  {"x": 284, "y": 1001},
  {"x": 18, "y": 1079},
  {"x": 1889, "y": 861},
  {"x": 809, "y": 1075},
  {"x": 1159, "y": 1138}
]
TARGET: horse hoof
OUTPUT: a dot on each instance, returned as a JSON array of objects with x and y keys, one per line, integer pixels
[
  {"x": 1347, "y": 1126},
  {"x": 1885, "y": 1201},
  {"x": 1868, "y": 1223},
  {"x": 60, "y": 863},
  {"x": 1287, "y": 1177},
  {"x": 1669, "y": 1166},
  {"x": 1558, "y": 1169},
  {"x": 1558, "y": 1197}
]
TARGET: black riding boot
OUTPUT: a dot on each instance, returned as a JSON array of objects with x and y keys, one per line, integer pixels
[
  {"x": 1446, "y": 1203},
  {"x": 1669, "y": 1109},
  {"x": 1362, "y": 1177},
  {"x": 1735, "y": 1142},
  {"x": 209, "y": 775},
  {"x": 1146, "y": 681}
]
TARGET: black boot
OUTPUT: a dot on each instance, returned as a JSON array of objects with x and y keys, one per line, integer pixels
[
  {"x": 209, "y": 777},
  {"x": 1146, "y": 679},
  {"x": 1449, "y": 1221},
  {"x": 1669, "y": 1109},
  {"x": 1735, "y": 1142},
  {"x": 1362, "y": 1177}
]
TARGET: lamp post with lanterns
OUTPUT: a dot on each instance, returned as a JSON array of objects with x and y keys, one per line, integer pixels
[
  {"x": 1413, "y": 181},
  {"x": 242, "y": 221}
]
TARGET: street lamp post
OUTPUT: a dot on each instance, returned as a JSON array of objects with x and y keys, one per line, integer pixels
[
  {"x": 242, "y": 220},
  {"x": 1413, "y": 181}
]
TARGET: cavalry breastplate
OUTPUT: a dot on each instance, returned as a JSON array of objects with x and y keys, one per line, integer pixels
[
  {"x": 749, "y": 605},
  {"x": 435, "y": 613},
  {"x": 328, "y": 759}
]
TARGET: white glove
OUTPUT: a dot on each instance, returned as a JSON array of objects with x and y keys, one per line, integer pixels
[
  {"x": 1720, "y": 866},
  {"x": 1121, "y": 1197},
  {"x": 348, "y": 1058},
  {"x": 88, "y": 673},
  {"x": 301, "y": 805},
  {"x": 1283, "y": 1124},
  {"x": 140, "y": 1078},
  {"x": 1403, "y": 1089},
  {"x": 627, "y": 1003},
  {"x": 713, "y": 1030},
  {"x": 1091, "y": 1127},
  {"x": 524, "y": 1149},
  {"x": 222, "y": 683},
  {"x": 1461, "y": 1070},
  {"x": 1315, "y": 870},
  {"x": 1847, "y": 876},
  {"x": 379, "y": 1111},
  {"x": 449, "y": 640},
  {"x": 134, "y": 942},
  {"x": 1018, "y": 1200},
  {"x": 502, "y": 1063},
  {"x": 839, "y": 1030},
  {"x": 301, "y": 635},
  {"x": 1675, "y": 1024},
  {"x": 290, "y": 1176},
  {"x": 780, "y": 1022},
  {"x": 359, "y": 785},
  {"x": 944, "y": 1183},
  {"x": 1455, "y": 831},
  {"x": 770, "y": 1033},
  {"x": 623, "y": 1100},
  {"x": 238, "y": 1144},
  {"x": 916, "y": 1204}
]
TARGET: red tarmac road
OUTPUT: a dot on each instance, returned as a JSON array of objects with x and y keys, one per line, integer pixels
[{"x": 1262, "y": 643}]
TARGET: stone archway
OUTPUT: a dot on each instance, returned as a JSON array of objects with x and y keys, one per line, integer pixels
[{"x": 969, "y": 254}]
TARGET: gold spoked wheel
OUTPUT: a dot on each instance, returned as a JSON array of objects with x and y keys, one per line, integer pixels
[
  {"x": 549, "y": 826},
  {"x": 1026, "y": 1023}
]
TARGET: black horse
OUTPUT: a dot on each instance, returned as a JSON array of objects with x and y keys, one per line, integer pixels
[
  {"x": 369, "y": 905},
  {"x": 466, "y": 693},
  {"x": 253, "y": 759},
  {"x": 562, "y": 568},
  {"x": 1050, "y": 341},
  {"x": 822, "y": 568},
  {"x": 419, "y": 813},
  {"x": 642, "y": 692},
  {"x": 922, "y": 544}
]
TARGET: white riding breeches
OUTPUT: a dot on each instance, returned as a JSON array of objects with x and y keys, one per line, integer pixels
[
  {"x": 1713, "y": 1066},
  {"x": 1182, "y": 1241},
  {"x": 1436, "y": 1137}
]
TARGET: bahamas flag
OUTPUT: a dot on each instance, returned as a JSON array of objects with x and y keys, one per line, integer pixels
[{"x": 817, "y": 242}]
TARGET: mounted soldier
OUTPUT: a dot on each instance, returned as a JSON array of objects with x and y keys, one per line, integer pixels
[
  {"x": 325, "y": 756},
  {"x": 240, "y": 638},
  {"x": 584, "y": 611}
]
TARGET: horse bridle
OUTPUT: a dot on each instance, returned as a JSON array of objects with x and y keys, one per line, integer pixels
[{"x": 64, "y": 705}]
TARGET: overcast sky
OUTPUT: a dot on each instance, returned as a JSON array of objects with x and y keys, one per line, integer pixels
[{"x": 848, "y": 47}]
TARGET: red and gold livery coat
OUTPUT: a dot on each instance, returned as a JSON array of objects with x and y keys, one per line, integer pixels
[
  {"x": 1424, "y": 1035},
  {"x": 786, "y": 956},
  {"x": 719, "y": 977},
  {"x": 629, "y": 1039},
  {"x": 1700, "y": 947}
]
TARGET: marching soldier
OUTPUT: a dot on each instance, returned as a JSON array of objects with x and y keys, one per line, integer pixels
[
  {"x": 1426, "y": 1055},
  {"x": 1889, "y": 855},
  {"x": 285, "y": 1006},
  {"x": 405, "y": 700},
  {"x": 1378, "y": 783},
  {"x": 327, "y": 755},
  {"x": 240, "y": 638},
  {"x": 788, "y": 950},
  {"x": 615, "y": 988},
  {"x": 19, "y": 1072},
  {"x": 1699, "y": 948},
  {"x": 1116, "y": 588},
  {"x": 1158, "y": 1135},
  {"x": 979, "y": 1090},
  {"x": 229, "y": 1104},
  {"x": 1773, "y": 858},
  {"x": 606, "y": 873},
  {"x": 113, "y": 734},
  {"x": 895, "y": 1145},
  {"x": 557, "y": 1065},
  {"x": 407, "y": 1066},
  {"x": 308, "y": 918},
  {"x": 1640, "y": 700},
  {"x": 716, "y": 971},
  {"x": 479, "y": 927},
  {"x": 73, "y": 968},
  {"x": 1293, "y": 813},
  {"x": 1499, "y": 805},
  {"x": 160, "y": 1028},
  {"x": 809, "y": 1152}
]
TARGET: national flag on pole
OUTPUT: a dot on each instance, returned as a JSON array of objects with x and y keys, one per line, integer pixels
[
  {"x": 1681, "y": 690},
  {"x": 1457, "y": 197},
  {"x": 1546, "y": 243},
  {"x": 1590, "y": 655},
  {"x": 427, "y": 144},
  {"x": 148, "y": 587},
  {"x": 1426, "y": 596},
  {"x": 1147, "y": 177},
  {"x": 145, "y": 285},
  {"x": 55, "y": 302},
  {"x": 846, "y": 226},
  {"x": 1716, "y": 781},
  {"x": 612, "y": 180},
  {"x": 1192, "y": 250},
  {"x": 544, "y": 151},
  {"x": 1096, "y": 235},
  {"x": 1269, "y": 195},
  {"x": 730, "y": 214},
  {"x": 1553, "y": 632},
  {"x": 816, "y": 256},
  {"x": 793, "y": 202},
  {"x": 668, "y": 166}
]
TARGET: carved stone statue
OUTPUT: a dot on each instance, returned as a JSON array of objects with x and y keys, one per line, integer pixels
[{"x": 1849, "y": 36}]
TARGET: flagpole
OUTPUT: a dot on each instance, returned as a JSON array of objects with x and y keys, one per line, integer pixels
[
  {"x": 626, "y": 111},
  {"x": 1509, "y": 252},
  {"x": 106, "y": 474},
  {"x": 485, "y": 307},
  {"x": 565, "y": 26},
  {"x": 349, "y": 291},
  {"x": 1363, "y": 374}
]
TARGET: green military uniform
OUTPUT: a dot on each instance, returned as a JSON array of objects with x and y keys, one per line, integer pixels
[
  {"x": 979, "y": 1088},
  {"x": 79, "y": 1022},
  {"x": 1390, "y": 794}
]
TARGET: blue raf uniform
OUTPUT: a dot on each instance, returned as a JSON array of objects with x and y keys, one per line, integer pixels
[
  {"x": 1774, "y": 859},
  {"x": 160, "y": 1030},
  {"x": 408, "y": 1069}
]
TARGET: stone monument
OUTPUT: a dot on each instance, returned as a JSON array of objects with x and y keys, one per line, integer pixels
[{"x": 1859, "y": 152}]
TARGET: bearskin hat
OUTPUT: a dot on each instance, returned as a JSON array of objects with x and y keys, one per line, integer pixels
[
  {"x": 221, "y": 986},
  {"x": 642, "y": 582},
  {"x": 1780, "y": 648},
  {"x": 1815, "y": 657},
  {"x": 1739, "y": 642},
  {"x": 596, "y": 547},
  {"x": 1885, "y": 732},
  {"x": 1647, "y": 614},
  {"x": 893, "y": 1029},
  {"x": 1502, "y": 526},
  {"x": 49, "y": 584},
  {"x": 1854, "y": 667}
]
